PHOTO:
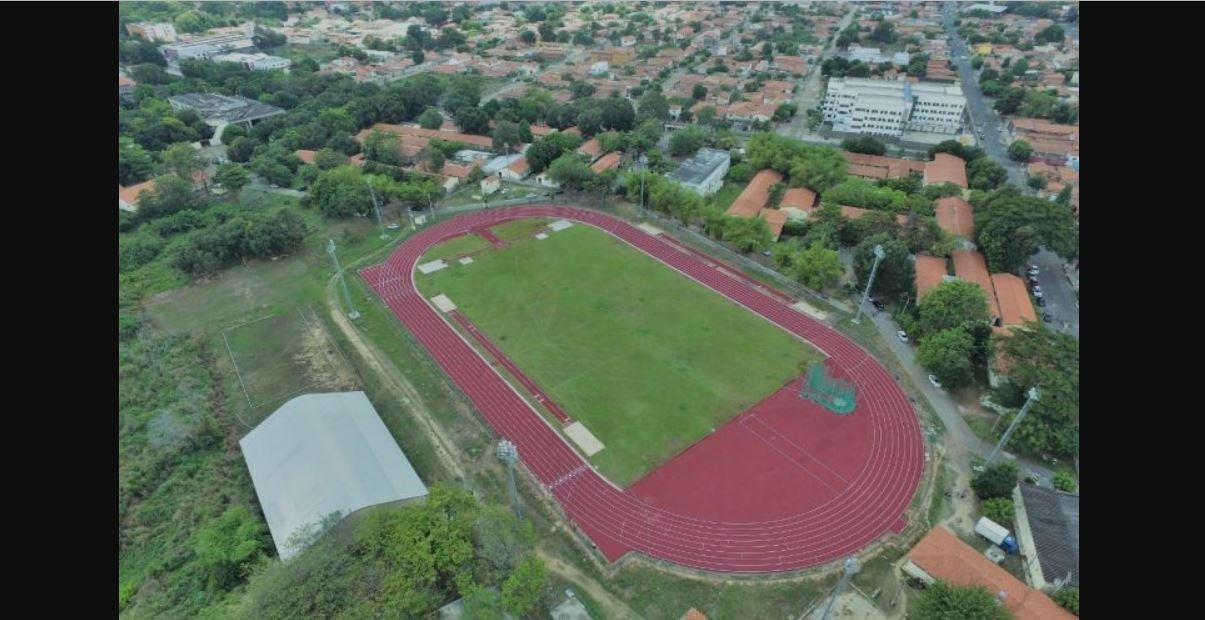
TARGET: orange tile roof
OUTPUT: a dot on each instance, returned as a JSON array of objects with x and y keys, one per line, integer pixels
[
  {"x": 573, "y": 130},
  {"x": 607, "y": 162},
  {"x": 798, "y": 197},
  {"x": 775, "y": 219},
  {"x": 894, "y": 166},
  {"x": 954, "y": 216},
  {"x": 519, "y": 166},
  {"x": 946, "y": 168},
  {"x": 756, "y": 193},
  {"x": 304, "y": 155},
  {"x": 130, "y": 194},
  {"x": 943, "y": 556},
  {"x": 590, "y": 148},
  {"x": 124, "y": 81},
  {"x": 693, "y": 614},
  {"x": 871, "y": 172},
  {"x": 415, "y": 132},
  {"x": 930, "y": 271},
  {"x": 853, "y": 213},
  {"x": 541, "y": 130},
  {"x": 971, "y": 266},
  {"x": 1013, "y": 297}
]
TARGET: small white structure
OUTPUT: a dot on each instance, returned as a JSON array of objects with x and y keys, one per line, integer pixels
[
  {"x": 600, "y": 68},
  {"x": 255, "y": 62},
  {"x": 323, "y": 456},
  {"x": 703, "y": 173},
  {"x": 489, "y": 185}
]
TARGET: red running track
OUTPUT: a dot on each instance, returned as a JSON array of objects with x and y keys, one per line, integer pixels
[{"x": 620, "y": 521}]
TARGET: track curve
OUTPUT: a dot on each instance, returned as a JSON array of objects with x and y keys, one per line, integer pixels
[{"x": 617, "y": 520}]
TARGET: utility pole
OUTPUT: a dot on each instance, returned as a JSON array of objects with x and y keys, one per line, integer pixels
[
  {"x": 432, "y": 205},
  {"x": 351, "y": 307},
  {"x": 879, "y": 254},
  {"x": 642, "y": 160},
  {"x": 509, "y": 453},
  {"x": 1033, "y": 398},
  {"x": 376, "y": 206},
  {"x": 851, "y": 567}
]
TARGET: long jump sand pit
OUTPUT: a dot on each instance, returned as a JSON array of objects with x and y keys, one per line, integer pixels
[{"x": 584, "y": 438}]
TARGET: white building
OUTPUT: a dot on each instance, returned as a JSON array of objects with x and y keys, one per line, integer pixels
[
  {"x": 255, "y": 62},
  {"x": 599, "y": 68},
  {"x": 703, "y": 173},
  {"x": 153, "y": 32},
  {"x": 891, "y": 107},
  {"x": 207, "y": 47}
]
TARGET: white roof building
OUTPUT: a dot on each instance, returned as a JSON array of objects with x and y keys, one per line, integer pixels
[
  {"x": 324, "y": 454},
  {"x": 891, "y": 107}
]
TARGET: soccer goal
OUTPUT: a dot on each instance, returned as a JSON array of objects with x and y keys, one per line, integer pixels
[{"x": 832, "y": 393}]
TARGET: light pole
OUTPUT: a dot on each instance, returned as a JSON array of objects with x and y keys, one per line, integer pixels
[
  {"x": 509, "y": 453},
  {"x": 1033, "y": 398},
  {"x": 642, "y": 161},
  {"x": 351, "y": 307},
  {"x": 851, "y": 567},
  {"x": 879, "y": 254},
  {"x": 376, "y": 206}
]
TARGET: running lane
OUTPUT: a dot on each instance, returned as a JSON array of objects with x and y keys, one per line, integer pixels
[{"x": 868, "y": 504}]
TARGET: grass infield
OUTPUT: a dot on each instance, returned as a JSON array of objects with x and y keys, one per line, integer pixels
[{"x": 649, "y": 360}]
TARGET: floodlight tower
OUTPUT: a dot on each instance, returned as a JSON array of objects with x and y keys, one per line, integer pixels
[
  {"x": 879, "y": 255},
  {"x": 376, "y": 206},
  {"x": 851, "y": 567},
  {"x": 351, "y": 307},
  {"x": 1033, "y": 398},
  {"x": 509, "y": 453}
]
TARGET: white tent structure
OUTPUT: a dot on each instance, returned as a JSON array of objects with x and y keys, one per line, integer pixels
[{"x": 320, "y": 455}]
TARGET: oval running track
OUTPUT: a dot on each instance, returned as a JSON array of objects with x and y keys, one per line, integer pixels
[{"x": 617, "y": 520}]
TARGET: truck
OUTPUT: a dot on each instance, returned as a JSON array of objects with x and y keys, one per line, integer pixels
[{"x": 996, "y": 533}]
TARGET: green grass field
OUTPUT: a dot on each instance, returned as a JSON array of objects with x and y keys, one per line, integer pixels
[
  {"x": 648, "y": 360},
  {"x": 456, "y": 246}
]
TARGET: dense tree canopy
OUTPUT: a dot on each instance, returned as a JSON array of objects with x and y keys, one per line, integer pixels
[
  {"x": 941, "y": 601},
  {"x": 1010, "y": 228},
  {"x": 896, "y": 275},
  {"x": 996, "y": 480},
  {"x": 948, "y": 354},
  {"x": 951, "y": 305},
  {"x": 1048, "y": 360}
]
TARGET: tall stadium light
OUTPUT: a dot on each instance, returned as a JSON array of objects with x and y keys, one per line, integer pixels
[
  {"x": 642, "y": 160},
  {"x": 879, "y": 254},
  {"x": 1033, "y": 398},
  {"x": 376, "y": 206},
  {"x": 509, "y": 453},
  {"x": 351, "y": 307},
  {"x": 851, "y": 568}
]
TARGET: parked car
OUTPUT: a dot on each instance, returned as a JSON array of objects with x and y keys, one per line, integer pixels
[
  {"x": 1037, "y": 293},
  {"x": 1033, "y": 270},
  {"x": 1046, "y": 318},
  {"x": 902, "y": 336},
  {"x": 1041, "y": 302},
  {"x": 392, "y": 226},
  {"x": 934, "y": 381},
  {"x": 878, "y": 305},
  {"x": 1037, "y": 289}
]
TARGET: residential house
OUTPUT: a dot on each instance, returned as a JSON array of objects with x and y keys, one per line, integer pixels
[
  {"x": 490, "y": 184},
  {"x": 971, "y": 267},
  {"x": 517, "y": 170},
  {"x": 931, "y": 271},
  {"x": 946, "y": 168},
  {"x": 610, "y": 161},
  {"x": 1013, "y": 300},
  {"x": 954, "y": 215},
  {"x": 753, "y": 198},
  {"x": 797, "y": 203}
]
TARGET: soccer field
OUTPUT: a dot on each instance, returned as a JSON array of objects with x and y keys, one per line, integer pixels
[{"x": 648, "y": 360}]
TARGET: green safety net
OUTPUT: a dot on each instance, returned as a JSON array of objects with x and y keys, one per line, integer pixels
[{"x": 832, "y": 393}]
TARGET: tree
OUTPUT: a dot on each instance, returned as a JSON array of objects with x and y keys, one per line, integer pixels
[
  {"x": 1068, "y": 597},
  {"x": 547, "y": 149},
  {"x": 997, "y": 480},
  {"x": 952, "y": 304},
  {"x": 699, "y": 92},
  {"x": 1048, "y": 360},
  {"x": 418, "y": 57},
  {"x": 571, "y": 171},
  {"x": 1010, "y": 100},
  {"x": 818, "y": 267},
  {"x": 472, "y": 120},
  {"x": 434, "y": 158},
  {"x": 431, "y": 119},
  {"x": 1000, "y": 510},
  {"x": 685, "y": 141},
  {"x": 228, "y": 545},
  {"x": 328, "y": 158},
  {"x": 171, "y": 194},
  {"x": 134, "y": 163},
  {"x": 652, "y": 105},
  {"x": 528, "y": 37},
  {"x": 483, "y": 604},
  {"x": 182, "y": 159},
  {"x": 384, "y": 147},
  {"x": 521, "y": 590},
  {"x": 948, "y": 354},
  {"x": 340, "y": 193},
  {"x": 747, "y": 234},
  {"x": 884, "y": 32},
  {"x": 941, "y": 601},
  {"x": 896, "y": 274},
  {"x": 864, "y": 144},
  {"x": 1019, "y": 150},
  {"x": 1036, "y": 181},
  {"x": 1010, "y": 227},
  {"x": 233, "y": 177},
  {"x": 985, "y": 174},
  {"x": 506, "y": 137},
  {"x": 1051, "y": 34}
]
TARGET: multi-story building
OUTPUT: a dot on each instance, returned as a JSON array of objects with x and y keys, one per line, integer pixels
[
  {"x": 255, "y": 62},
  {"x": 208, "y": 47},
  {"x": 153, "y": 32},
  {"x": 704, "y": 172},
  {"x": 889, "y": 108}
]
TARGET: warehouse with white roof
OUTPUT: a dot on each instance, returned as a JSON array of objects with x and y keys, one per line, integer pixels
[{"x": 322, "y": 454}]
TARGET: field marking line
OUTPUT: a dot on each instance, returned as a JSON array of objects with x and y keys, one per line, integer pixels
[{"x": 237, "y": 372}]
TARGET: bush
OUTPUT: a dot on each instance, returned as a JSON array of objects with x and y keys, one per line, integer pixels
[
  {"x": 1064, "y": 481},
  {"x": 1069, "y": 599},
  {"x": 1000, "y": 510},
  {"x": 740, "y": 173}
]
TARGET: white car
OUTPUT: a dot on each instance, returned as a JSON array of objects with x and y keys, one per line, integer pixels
[
  {"x": 392, "y": 226},
  {"x": 902, "y": 335},
  {"x": 1033, "y": 270},
  {"x": 1037, "y": 294},
  {"x": 934, "y": 381}
]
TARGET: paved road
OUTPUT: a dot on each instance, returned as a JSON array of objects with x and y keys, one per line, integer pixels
[
  {"x": 1057, "y": 291},
  {"x": 983, "y": 117},
  {"x": 810, "y": 95}
]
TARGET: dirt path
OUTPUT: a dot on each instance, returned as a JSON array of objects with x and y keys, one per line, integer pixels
[
  {"x": 410, "y": 396},
  {"x": 963, "y": 519},
  {"x": 613, "y": 607}
]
